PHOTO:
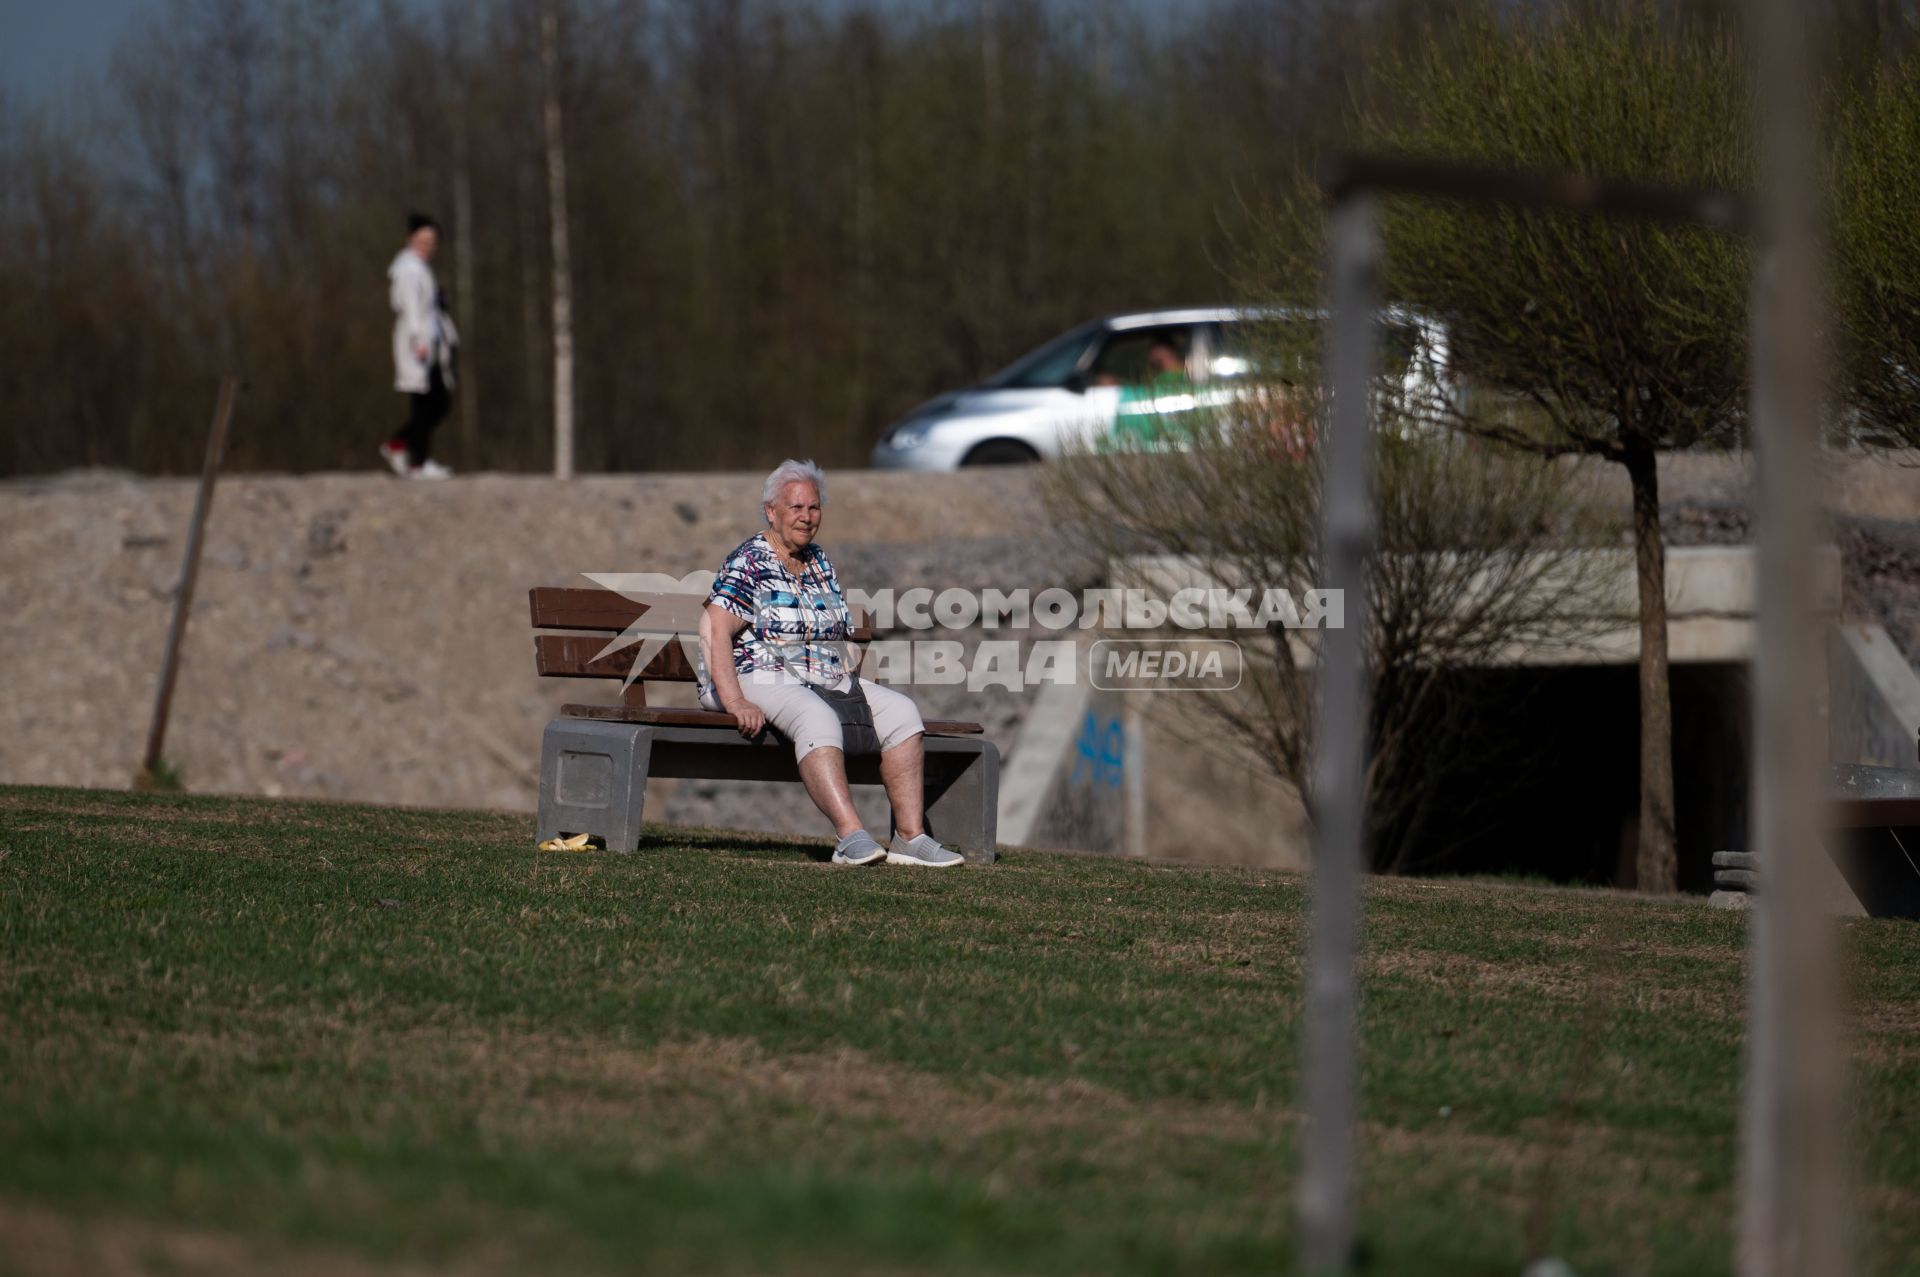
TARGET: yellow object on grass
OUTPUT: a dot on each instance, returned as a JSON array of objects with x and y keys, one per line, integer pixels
[{"x": 579, "y": 842}]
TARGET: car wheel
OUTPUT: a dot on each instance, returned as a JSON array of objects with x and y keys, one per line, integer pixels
[{"x": 1001, "y": 452}]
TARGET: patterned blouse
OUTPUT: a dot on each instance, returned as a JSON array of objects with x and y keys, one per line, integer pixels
[{"x": 798, "y": 623}]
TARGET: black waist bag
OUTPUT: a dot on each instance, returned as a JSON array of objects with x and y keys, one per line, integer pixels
[{"x": 857, "y": 733}]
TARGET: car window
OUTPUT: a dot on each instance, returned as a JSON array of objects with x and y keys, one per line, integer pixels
[
  {"x": 1399, "y": 344},
  {"x": 1273, "y": 349},
  {"x": 1050, "y": 365},
  {"x": 1137, "y": 356},
  {"x": 1288, "y": 349}
]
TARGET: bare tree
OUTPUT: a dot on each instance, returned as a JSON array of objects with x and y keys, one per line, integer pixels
[
  {"x": 798, "y": 202},
  {"x": 457, "y": 50},
  {"x": 562, "y": 255},
  {"x": 1583, "y": 336},
  {"x": 1876, "y": 184},
  {"x": 1484, "y": 552}
]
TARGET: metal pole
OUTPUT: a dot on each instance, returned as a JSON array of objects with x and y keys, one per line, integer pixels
[
  {"x": 189, "y": 573},
  {"x": 562, "y": 257},
  {"x": 1134, "y": 776},
  {"x": 466, "y": 248},
  {"x": 1790, "y": 1199},
  {"x": 1339, "y": 776}
]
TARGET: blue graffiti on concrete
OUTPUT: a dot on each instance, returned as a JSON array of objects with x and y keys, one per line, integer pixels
[{"x": 1102, "y": 749}]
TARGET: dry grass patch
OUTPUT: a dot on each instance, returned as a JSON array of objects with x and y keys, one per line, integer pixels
[
  {"x": 1603, "y": 982},
  {"x": 38, "y": 1242}
]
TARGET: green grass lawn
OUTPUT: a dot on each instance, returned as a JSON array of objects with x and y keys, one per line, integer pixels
[{"x": 240, "y": 1034}]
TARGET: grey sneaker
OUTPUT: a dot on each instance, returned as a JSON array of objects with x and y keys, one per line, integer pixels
[
  {"x": 857, "y": 848},
  {"x": 924, "y": 851}
]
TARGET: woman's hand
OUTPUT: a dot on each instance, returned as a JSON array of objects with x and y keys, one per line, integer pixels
[{"x": 751, "y": 718}]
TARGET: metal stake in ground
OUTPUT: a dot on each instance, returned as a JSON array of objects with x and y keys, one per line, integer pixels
[
  {"x": 1792, "y": 1207},
  {"x": 1340, "y": 749},
  {"x": 189, "y": 570}
]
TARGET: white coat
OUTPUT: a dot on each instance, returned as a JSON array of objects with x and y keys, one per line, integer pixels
[{"x": 418, "y": 322}]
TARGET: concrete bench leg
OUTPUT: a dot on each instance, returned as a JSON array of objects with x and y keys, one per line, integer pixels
[
  {"x": 963, "y": 800},
  {"x": 593, "y": 780}
]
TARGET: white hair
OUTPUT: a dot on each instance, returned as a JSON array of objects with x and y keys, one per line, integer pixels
[{"x": 791, "y": 471}]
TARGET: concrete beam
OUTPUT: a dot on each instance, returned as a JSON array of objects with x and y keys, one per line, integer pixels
[
  {"x": 1874, "y": 699},
  {"x": 1712, "y": 591}
]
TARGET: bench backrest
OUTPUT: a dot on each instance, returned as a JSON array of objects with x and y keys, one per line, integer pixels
[{"x": 606, "y": 612}]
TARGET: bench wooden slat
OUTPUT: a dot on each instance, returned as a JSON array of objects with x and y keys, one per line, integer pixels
[
  {"x": 578, "y": 656},
  {"x": 609, "y": 612},
  {"x": 574, "y": 656},
  {"x": 666, "y": 717},
  {"x": 561, "y": 608}
]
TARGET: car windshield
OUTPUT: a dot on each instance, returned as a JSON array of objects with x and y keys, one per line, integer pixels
[{"x": 1048, "y": 366}]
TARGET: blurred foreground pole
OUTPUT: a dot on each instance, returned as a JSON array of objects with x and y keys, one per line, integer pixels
[
  {"x": 189, "y": 573},
  {"x": 1340, "y": 756},
  {"x": 1790, "y": 1168},
  {"x": 562, "y": 257}
]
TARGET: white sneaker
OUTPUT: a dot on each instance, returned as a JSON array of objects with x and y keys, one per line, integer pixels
[
  {"x": 857, "y": 848},
  {"x": 431, "y": 470},
  {"x": 922, "y": 850},
  {"x": 395, "y": 455}
]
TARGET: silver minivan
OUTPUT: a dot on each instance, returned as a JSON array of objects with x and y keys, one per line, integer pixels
[{"x": 1083, "y": 386}]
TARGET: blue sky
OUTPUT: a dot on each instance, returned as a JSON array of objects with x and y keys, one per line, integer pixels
[{"x": 45, "y": 44}]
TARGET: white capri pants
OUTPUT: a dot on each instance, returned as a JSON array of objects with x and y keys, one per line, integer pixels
[{"x": 809, "y": 722}]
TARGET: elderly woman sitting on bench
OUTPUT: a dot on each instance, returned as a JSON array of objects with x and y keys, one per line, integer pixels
[{"x": 775, "y": 651}]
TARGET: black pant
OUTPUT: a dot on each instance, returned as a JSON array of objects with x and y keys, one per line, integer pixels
[{"x": 424, "y": 412}]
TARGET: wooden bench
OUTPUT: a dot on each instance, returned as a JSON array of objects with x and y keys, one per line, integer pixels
[{"x": 595, "y": 759}]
